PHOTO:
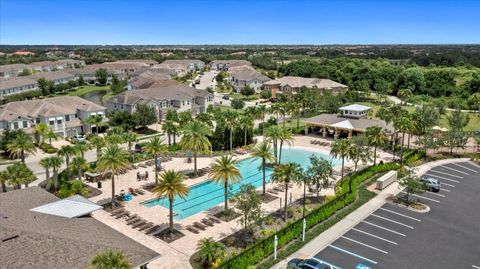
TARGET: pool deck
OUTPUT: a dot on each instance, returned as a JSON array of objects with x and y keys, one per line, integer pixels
[{"x": 177, "y": 254}]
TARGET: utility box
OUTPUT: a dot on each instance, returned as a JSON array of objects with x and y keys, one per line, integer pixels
[{"x": 387, "y": 179}]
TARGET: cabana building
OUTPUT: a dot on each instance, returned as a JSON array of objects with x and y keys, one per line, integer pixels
[{"x": 351, "y": 120}]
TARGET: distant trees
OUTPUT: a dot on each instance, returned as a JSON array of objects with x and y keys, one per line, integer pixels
[{"x": 145, "y": 115}]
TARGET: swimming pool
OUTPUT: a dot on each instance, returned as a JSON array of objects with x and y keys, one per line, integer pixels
[{"x": 208, "y": 194}]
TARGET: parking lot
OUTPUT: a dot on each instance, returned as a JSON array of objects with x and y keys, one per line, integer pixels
[{"x": 448, "y": 236}]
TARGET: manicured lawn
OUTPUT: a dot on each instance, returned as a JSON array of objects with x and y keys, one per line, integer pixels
[
  {"x": 82, "y": 90},
  {"x": 473, "y": 124},
  {"x": 240, "y": 96}
]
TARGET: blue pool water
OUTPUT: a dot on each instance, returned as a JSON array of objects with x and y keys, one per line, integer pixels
[{"x": 208, "y": 194}]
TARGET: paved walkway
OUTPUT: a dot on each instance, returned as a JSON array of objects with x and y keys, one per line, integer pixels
[{"x": 343, "y": 226}]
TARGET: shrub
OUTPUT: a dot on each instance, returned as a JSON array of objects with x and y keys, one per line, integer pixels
[{"x": 266, "y": 94}]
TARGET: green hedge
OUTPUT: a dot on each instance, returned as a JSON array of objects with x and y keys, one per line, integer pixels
[{"x": 261, "y": 250}]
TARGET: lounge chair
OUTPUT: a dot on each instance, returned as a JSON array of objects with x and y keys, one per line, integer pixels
[
  {"x": 192, "y": 229},
  {"x": 145, "y": 226},
  {"x": 133, "y": 220},
  {"x": 214, "y": 219},
  {"x": 207, "y": 222},
  {"x": 138, "y": 224},
  {"x": 132, "y": 191},
  {"x": 152, "y": 229},
  {"x": 123, "y": 214},
  {"x": 200, "y": 226},
  {"x": 117, "y": 211},
  {"x": 139, "y": 191},
  {"x": 272, "y": 192},
  {"x": 131, "y": 217}
]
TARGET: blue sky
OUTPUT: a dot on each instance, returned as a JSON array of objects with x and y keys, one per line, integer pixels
[{"x": 239, "y": 22}]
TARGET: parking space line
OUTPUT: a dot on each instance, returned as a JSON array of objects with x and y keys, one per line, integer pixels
[
  {"x": 474, "y": 266},
  {"x": 464, "y": 167},
  {"x": 474, "y": 164},
  {"x": 393, "y": 221},
  {"x": 452, "y": 180},
  {"x": 396, "y": 213},
  {"x": 435, "y": 171},
  {"x": 353, "y": 254},
  {"x": 363, "y": 244},
  {"x": 437, "y": 194},
  {"x": 456, "y": 170},
  {"x": 419, "y": 196},
  {"x": 448, "y": 185},
  {"x": 443, "y": 189},
  {"x": 375, "y": 236},
  {"x": 324, "y": 262},
  {"x": 383, "y": 228}
]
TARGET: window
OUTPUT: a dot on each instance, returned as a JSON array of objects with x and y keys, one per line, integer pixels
[
  {"x": 51, "y": 122},
  {"x": 37, "y": 120},
  {"x": 15, "y": 125},
  {"x": 67, "y": 117},
  {"x": 183, "y": 103},
  {"x": 76, "y": 116},
  {"x": 59, "y": 121},
  {"x": 25, "y": 124}
]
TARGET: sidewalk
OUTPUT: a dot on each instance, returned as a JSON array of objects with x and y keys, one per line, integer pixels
[{"x": 343, "y": 226}]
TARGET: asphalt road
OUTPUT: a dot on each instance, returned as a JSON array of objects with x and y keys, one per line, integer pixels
[{"x": 448, "y": 236}]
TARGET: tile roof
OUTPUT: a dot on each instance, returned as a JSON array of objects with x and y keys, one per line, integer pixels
[
  {"x": 55, "y": 106},
  {"x": 170, "y": 92},
  {"x": 9, "y": 83},
  {"x": 297, "y": 82},
  {"x": 49, "y": 242},
  {"x": 13, "y": 67},
  {"x": 246, "y": 73},
  {"x": 51, "y": 75}
]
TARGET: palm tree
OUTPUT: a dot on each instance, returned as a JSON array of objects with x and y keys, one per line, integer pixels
[
  {"x": 40, "y": 130},
  {"x": 51, "y": 135},
  {"x": 110, "y": 259},
  {"x": 285, "y": 173},
  {"x": 94, "y": 120},
  {"x": 130, "y": 138},
  {"x": 56, "y": 163},
  {"x": 154, "y": 147},
  {"x": 17, "y": 174},
  {"x": 224, "y": 170},
  {"x": 66, "y": 151},
  {"x": 195, "y": 139},
  {"x": 79, "y": 164},
  {"x": 376, "y": 138},
  {"x": 245, "y": 122},
  {"x": 341, "y": 149},
  {"x": 113, "y": 160},
  {"x": 263, "y": 151},
  {"x": 404, "y": 94},
  {"x": 3, "y": 180},
  {"x": 114, "y": 139},
  {"x": 273, "y": 135},
  {"x": 170, "y": 185},
  {"x": 210, "y": 250},
  {"x": 46, "y": 163},
  {"x": 262, "y": 110},
  {"x": 231, "y": 120},
  {"x": 403, "y": 124},
  {"x": 97, "y": 142},
  {"x": 21, "y": 145},
  {"x": 285, "y": 137},
  {"x": 80, "y": 148},
  {"x": 169, "y": 127}
]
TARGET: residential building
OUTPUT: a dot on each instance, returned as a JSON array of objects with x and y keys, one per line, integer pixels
[
  {"x": 291, "y": 85},
  {"x": 89, "y": 74},
  {"x": 15, "y": 85},
  {"x": 125, "y": 67},
  {"x": 353, "y": 119},
  {"x": 56, "y": 77},
  {"x": 178, "y": 97},
  {"x": 23, "y": 53},
  {"x": 181, "y": 67},
  {"x": 38, "y": 230},
  {"x": 65, "y": 115},
  {"x": 224, "y": 65},
  {"x": 151, "y": 78},
  {"x": 241, "y": 76},
  {"x": 12, "y": 70},
  {"x": 139, "y": 61}
]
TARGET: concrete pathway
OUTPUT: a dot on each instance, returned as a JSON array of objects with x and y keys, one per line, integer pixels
[{"x": 343, "y": 226}]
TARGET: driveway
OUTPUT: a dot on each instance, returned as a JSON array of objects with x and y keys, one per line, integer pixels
[
  {"x": 207, "y": 80},
  {"x": 394, "y": 237}
]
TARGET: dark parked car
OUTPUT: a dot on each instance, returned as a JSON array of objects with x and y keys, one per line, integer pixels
[{"x": 226, "y": 97}]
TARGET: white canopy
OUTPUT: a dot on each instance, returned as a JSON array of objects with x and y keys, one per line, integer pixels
[
  {"x": 343, "y": 124},
  {"x": 71, "y": 207}
]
